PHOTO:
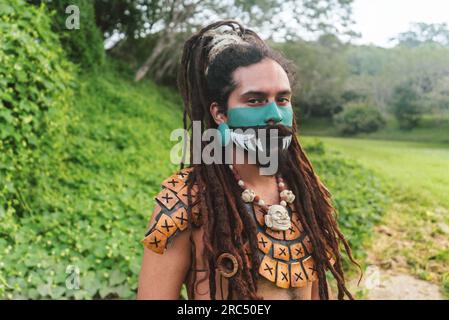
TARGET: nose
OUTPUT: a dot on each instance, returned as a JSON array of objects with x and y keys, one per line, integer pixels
[{"x": 273, "y": 116}]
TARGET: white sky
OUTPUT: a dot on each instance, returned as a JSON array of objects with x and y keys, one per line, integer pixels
[{"x": 379, "y": 20}]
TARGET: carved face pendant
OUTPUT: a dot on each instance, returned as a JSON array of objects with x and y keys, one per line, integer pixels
[{"x": 277, "y": 218}]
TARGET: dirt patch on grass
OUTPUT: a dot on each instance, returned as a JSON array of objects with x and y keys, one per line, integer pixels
[
  {"x": 388, "y": 285},
  {"x": 405, "y": 260}
]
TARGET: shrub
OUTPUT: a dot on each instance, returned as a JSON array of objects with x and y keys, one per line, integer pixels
[
  {"x": 92, "y": 209},
  {"x": 84, "y": 46},
  {"x": 357, "y": 118},
  {"x": 405, "y": 106},
  {"x": 360, "y": 204},
  {"x": 35, "y": 91}
]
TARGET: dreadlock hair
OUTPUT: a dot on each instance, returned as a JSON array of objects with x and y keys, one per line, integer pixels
[{"x": 227, "y": 224}]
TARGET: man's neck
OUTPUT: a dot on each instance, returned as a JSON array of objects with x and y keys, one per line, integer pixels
[{"x": 250, "y": 173}]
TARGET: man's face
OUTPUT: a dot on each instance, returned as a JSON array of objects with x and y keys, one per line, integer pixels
[{"x": 258, "y": 85}]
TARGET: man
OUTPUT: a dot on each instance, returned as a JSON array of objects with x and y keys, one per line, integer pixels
[{"x": 226, "y": 230}]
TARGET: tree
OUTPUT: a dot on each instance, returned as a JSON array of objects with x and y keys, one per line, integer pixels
[
  {"x": 165, "y": 20},
  {"x": 321, "y": 75},
  {"x": 375, "y": 73},
  {"x": 405, "y": 104},
  {"x": 358, "y": 118},
  {"x": 424, "y": 33}
]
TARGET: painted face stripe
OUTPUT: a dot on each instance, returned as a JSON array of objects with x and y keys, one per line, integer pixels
[{"x": 259, "y": 116}]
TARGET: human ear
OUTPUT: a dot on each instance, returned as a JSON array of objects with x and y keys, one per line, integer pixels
[{"x": 217, "y": 113}]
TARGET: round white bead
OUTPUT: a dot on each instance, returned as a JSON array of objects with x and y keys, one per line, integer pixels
[
  {"x": 281, "y": 184},
  {"x": 283, "y": 203},
  {"x": 231, "y": 167},
  {"x": 248, "y": 195},
  {"x": 261, "y": 202},
  {"x": 241, "y": 183}
]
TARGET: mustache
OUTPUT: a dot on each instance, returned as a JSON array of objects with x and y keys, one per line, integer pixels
[{"x": 282, "y": 130}]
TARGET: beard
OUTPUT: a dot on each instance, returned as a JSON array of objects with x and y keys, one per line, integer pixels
[{"x": 275, "y": 145}]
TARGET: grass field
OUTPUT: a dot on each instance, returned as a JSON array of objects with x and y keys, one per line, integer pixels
[
  {"x": 431, "y": 129},
  {"x": 418, "y": 217},
  {"x": 420, "y": 168}
]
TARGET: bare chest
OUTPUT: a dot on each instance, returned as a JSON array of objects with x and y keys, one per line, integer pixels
[{"x": 286, "y": 271}]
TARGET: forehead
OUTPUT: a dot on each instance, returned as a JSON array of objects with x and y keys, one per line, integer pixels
[{"x": 266, "y": 76}]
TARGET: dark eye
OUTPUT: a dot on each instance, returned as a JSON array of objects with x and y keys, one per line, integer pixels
[
  {"x": 256, "y": 101},
  {"x": 283, "y": 100}
]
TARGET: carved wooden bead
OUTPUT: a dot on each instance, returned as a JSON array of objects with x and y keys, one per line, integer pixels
[{"x": 288, "y": 196}]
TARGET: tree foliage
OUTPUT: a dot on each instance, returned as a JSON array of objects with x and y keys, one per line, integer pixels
[
  {"x": 359, "y": 118},
  {"x": 138, "y": 18},
  {"x": 405, "y": 105},
  {"x": 424, "y": 33},
  {"x": 170, "y": 22},
  {"x": 321, "y": 73},
  {"x": 374, "y": 73},
  {"x": 36, "y": 83}
]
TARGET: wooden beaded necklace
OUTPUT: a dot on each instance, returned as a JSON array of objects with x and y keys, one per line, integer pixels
[{"x": 276, "y": 216}]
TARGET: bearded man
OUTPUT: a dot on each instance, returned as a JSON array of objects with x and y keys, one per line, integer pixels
[{"x": 227, "y": 230}]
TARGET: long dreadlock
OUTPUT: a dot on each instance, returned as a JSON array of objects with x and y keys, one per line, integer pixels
[{"x": 225, "y": 218}]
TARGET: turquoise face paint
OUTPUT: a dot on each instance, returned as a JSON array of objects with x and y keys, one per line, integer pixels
[{"x": 258, "y": 116}]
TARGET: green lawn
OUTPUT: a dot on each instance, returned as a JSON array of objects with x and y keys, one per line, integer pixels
[
  {"x": 418, "y": 215},
  {"x": 422, "y": 168},
  {"x": 432, "y": 129}
]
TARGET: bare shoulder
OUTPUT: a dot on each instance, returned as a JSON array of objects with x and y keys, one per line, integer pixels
[{"x": 170, "y": 215}]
